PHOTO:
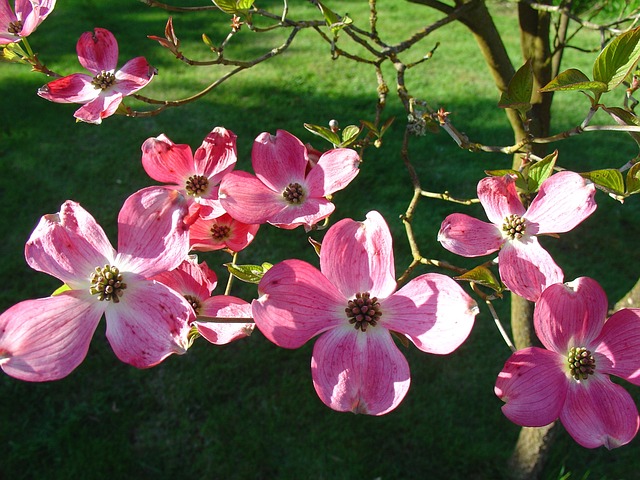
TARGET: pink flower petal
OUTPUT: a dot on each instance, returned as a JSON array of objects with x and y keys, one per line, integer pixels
[
  {"x": 33, "y": 14},
  {"x": 152, "y": 237},
  {"x": 296, "y": 303},
  {"x": 166, "y": 161},
  {"x": 564, "y": 200},
  {"x": 307, "y": 213},
  {"x": 247, "y": 199},
  {"x": 150, "y": 322},
  {"x": 47, "y": 338},
  {"x": 6, "y": 14},
  {"x": 224, "y": 306},
  {"x": 334, "y": 171},
  {"x": 101, "y": 107},
  {"x": 189, "y": 279},
  {"x": 527, "y": 269},
  {"x": 217, "y": 155},
  {"x": 76, "y": 88},
  {"x": 69, "y": 245},
  {"x": 433, "y": 311},
  {"x": 359, "y": 372},
  {"x": 598, "y": 412},
  {"x": 468, "y": 236},
  {"x": 499, "y": 198},
  {"x": 533, "y": 384},
  {"x": 619, "y": 342},
  {"x": 209, "y": 234},
  {"x": 570, "y": 315},
  {"x": 134, "y": 75},
  {"x": 98, "y": 51},
  {"x": 357, "y": 257},
  {"x": 279, "y": 159}
]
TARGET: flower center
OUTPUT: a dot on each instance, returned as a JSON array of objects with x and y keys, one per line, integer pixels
[
  {"x": 103, "y": 80},
  {"x": 581, "y": 363},
  {"x": 294, "y": 193},
  {"x": 194, "y": 302},
  {"x": 514, "y": 226},
  {"x": 363, "y": 311},
  {"x": 15, "y": 27},
  {"x": 107, "y": 284},
  {"x": 197, "y": 185},
  {"x": 220, "y": 232}
]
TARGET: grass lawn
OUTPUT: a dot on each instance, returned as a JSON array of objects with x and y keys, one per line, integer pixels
[{"x": 248, "y": 410}]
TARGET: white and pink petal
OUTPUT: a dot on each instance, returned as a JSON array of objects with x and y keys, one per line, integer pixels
[
  {"x": 468, "y": 236},
  {"x": 334, "y": 171},
  {"x": 499, "y": 198},
  {"x": 98, "y": 51},
  {"x": 619, "y": 344},
  {"x": 279, "y": 159}
]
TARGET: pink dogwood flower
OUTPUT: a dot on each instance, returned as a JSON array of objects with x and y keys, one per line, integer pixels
[
  {"x": 569, "y": 378},
  {"x": 197, "y": 175},
  {"x": 28, "y": 15},
  {"x": 281, "y": 192},
  {"x": 352, "y": 303},
  {"x": 101, "y": 92},
  {"x": 196, "y": 282},
  {"x": 526, "y": 268},
  {"x": 207, "y": 234},
  {"x": 47, "y": 338}
]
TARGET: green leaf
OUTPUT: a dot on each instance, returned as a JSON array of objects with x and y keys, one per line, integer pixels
[
  {"x": 333, "y": 21},
  {"x": 624, "y": 117},
  {"x": 323, "y": 132},
  {"x": 349, "y": 135},
  {"x": 248, "y": 273},
  {"x": 633, "y": 179},
  {"x": 63, "y": 288},
  {"x": 540, "y": 171},
  {"x": 234, "y": 7},
  {"x": 519, "y": 90},
  {"x": 609, "y": 179},
  {"x": 482, "y": 276},
  {"x": 617, "y": 59},
  {"x": 574, "y": 79}
]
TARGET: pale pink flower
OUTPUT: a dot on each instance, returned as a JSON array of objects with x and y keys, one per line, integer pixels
[
  {"x": 563, "y": 201},
  {"x": 570, "y": 379},
  {"x": 45, "y": 339},
  {"x": 101, "y": 92},
  {"x": 196, "y": 282},
  {"x": 281, "y": 192},
  {"x": 352, "y": 303},
  {"x": 197, "y": 175},
  {"x": 208, "y": 234},
  {"x": 28, "y": 15}
]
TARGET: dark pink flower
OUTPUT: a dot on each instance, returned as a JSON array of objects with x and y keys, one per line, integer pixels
[
  {"x": 570, "y": 379},
  {"x": 101, "y": 92},
  {"x": 208, "y": 234},
  {"x": 563, "y": 201},
  {"x": 282, "y": 192},
  {"x": 197, "y": 175},
  {"x": 45, "y": 339},
  {"x": 28, "y": 15},
  {"x": 352, "y": 303},
  {"x": 196, "y": 282}
]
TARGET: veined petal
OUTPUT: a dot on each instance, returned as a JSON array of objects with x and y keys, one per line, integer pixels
[
  {"x": 47, "y": 338},
  {"x": 224, "y": 306},
  {"x": 222, "y": 232},
  {"x": 533, "y": 385},
  {"x": 296, "y": 303},
  {"x": 69, "y": 245},
  {"x": 217, "y": 155},
  {"x": 166, "y": 161},
  {"x": 149, "y": 323},
  {"x": 29, "y": 13},
  {"x": 133, "y": 76},
  {"x": 308, "y": 213},
  {"x": 599, "y": 412},
  {"x": 527, "y": 269},
  {"x": 357, "y": 257},
  {"x": 6, "y": 14},
  {"x": 499, "y": 198},
  {"x": 334, "y": 171},
  {"x": 433, "y": 311},
  {"x": 468, "y": 236},
  {"x": 152, "y": 236},
  {"x": 279, "y": 159},
  {"x": 563, "y": 201},
  {"x": 247, "y": 199},
  {"x": 98, "y": 51},
  {"x": 359, "y": 372},
  {"x": 76, "y": 88},
  {"x": 619, "y": 342},
  {"x": 101, "y": 107},
  {"x": 570, "y": 315}
]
